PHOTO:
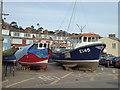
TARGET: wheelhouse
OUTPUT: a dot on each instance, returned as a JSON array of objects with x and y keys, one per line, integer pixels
[{"x": 88, "y": 37}]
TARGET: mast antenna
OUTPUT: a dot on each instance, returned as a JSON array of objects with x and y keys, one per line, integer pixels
[{"x": 81, "y": 28}]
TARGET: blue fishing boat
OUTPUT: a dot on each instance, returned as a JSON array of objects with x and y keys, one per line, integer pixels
[
  {"x": 9, "y": 59},
  {"x": 86, "y": 48},
  {"x": 85, "y": 57}
]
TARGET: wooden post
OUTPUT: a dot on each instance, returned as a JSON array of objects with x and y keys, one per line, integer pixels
[{"x": 1, "y": 39}]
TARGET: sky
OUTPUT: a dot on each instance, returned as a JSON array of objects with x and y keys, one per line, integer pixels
[{"x": 97, "y": 17}]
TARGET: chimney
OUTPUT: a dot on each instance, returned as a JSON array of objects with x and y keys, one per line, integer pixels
[
  {"x": 111, "y": 36},
  {"x": 45, "y": 32}
]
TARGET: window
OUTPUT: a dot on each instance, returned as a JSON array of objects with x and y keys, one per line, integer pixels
[
  {"x": 89, "y": 39},
  {"x": 16, "y": 41},
  {"x": 45, "y": 36},
  {"x": 29, "y": 41},
  {"x": 113, "y": 45},
  {"x": 45, "y": 45},
  {"x": 5, "y": 48},
  {"x": 59, "y": 38},
  {"x": 26, "y": 35},
  {"x": 5, "y": 32},
  {"x": 36, "y": 46},
  {"x": 56, "y": 38},
  {"x": 93, "y": 39},
  {"x": 16, "y": 34},
  {"x": 84, "y": 39},
  {"x": 79, "y": 38},
  {"x": 5, "y": 40},
  {"x": 40, "y": 45},
  {"x": 39, "y": 35},
  {"x": 97, "y": 38},
  {"x": 48, "y": 45}
]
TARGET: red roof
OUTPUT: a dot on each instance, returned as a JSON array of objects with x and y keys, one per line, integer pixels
[{"x": 86, "y": 34}]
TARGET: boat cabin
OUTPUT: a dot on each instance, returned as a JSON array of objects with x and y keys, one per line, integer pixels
[
  {"x": 87, "y": 37},
  {"x": 42, "y": 44}
]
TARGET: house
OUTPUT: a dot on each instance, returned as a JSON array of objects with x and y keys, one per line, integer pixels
[
  {"x": 112, "y": 45},
  {"x": 7, "y": 40},
  {"x": 23, "y": 37}
]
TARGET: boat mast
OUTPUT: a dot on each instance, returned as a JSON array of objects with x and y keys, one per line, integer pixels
[{"x": 72, "y": 15}]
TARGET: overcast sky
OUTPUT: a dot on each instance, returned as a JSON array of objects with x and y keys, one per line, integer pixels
[{"x": 99, "y": 17}]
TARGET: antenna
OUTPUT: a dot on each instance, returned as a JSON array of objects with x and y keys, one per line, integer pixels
[{"x": 82, "y": 27}]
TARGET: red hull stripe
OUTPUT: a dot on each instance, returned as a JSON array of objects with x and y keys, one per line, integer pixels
[{"x": 31, "y": 58}]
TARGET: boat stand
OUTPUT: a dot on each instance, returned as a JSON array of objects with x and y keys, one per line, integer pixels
[
  {"x": 24, "y": 68},
  {"x": 42, "y": 67},
  {"x": 69, "y": 67},
  {"x": 9, "y": 66}
]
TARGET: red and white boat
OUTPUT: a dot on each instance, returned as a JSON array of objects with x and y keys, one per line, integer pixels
[{"x": 34, "y": 55}]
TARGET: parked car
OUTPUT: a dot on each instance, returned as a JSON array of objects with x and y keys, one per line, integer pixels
[
  {"x": 109, "y": 61},
  {"x": 103, "y": 59},
  {"x": 106, "y": 60},
  {"x": 116, "y": 62}
]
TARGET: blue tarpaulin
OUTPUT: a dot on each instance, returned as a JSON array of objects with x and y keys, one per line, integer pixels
[
  {"x": 23, "y": 51},
  {"x": 41, "y": 53}
]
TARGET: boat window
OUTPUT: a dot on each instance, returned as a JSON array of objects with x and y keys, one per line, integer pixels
[
  {"x": 48, "y": 45},
  {"x": 79, "y": 38},
  {"x": 45, "y": 45},
  {"x": 84, "y": 39},
  {"x": 89, "y": 39},
  {"x": 36, "y": 45},
  {"x": 97, "y": 38},
  {"x": 40, "y": 45},
  {"x": 93, "y": 39}
]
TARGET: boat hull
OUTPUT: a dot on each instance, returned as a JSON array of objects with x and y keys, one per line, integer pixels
[
  {"x": 32, "y": 56},
  {"x": 10, "y": 59},
  {"x": 32, "y": 60},
  {"x": 81, "y": 64},
  {"x": 40, "y": 63},
  {"x": 85, "y": 57}
]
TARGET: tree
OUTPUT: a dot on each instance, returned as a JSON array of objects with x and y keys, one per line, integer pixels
[
  {"x": 40, "y": 28},
  {"x": 38, "y": 24},
  {"x": 20, "y": 27},
  {"x": 14, "y": 24},
  {"x": 65, "y": 33},
  {"x": 32, "y": 27}
]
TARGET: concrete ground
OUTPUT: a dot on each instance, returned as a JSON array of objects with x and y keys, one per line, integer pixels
[{"x": 56, "y": 77}]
